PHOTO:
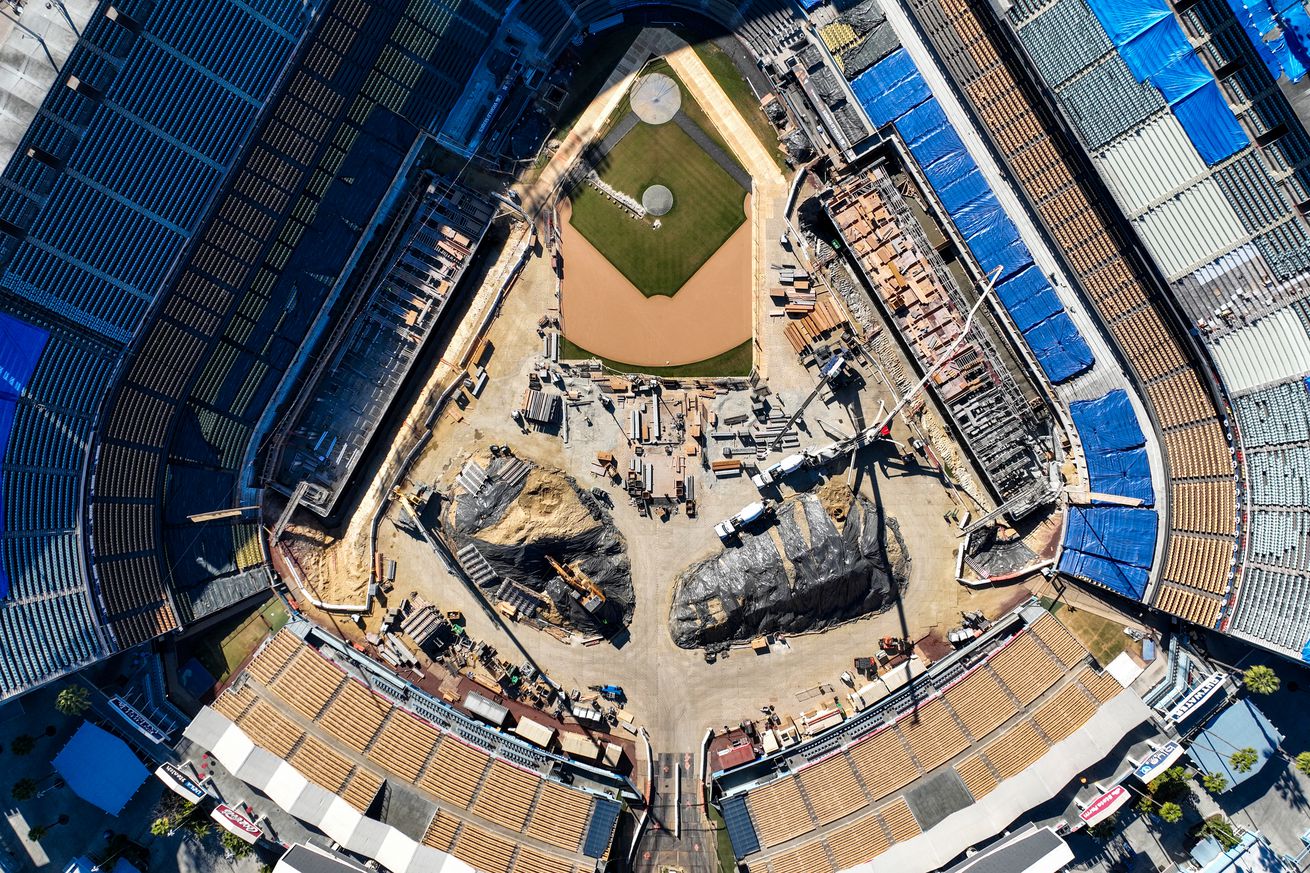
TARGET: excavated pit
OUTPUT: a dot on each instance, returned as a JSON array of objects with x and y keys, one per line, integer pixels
[
  {"x": 517, "y": 521},
  {"x": 822, "y": 562}
]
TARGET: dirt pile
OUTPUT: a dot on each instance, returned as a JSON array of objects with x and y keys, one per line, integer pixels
[
  {"x": 548, "y": 507},
  {"x": 822, "y": 562},
  {"x": 521, "y": 518}
]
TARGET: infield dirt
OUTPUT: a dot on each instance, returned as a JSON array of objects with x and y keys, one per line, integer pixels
[{"x": 605, "y": 314}]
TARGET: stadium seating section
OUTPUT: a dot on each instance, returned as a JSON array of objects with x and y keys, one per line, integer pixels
[
  {"x": 1006, "y": 712},
  {"x": 1194, "y": 443},
  {"x": 340, "y": 735}
]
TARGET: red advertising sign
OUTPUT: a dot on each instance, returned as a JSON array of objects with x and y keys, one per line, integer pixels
[
  {"x": 236, "y": 823},
  {"x": 1105, "y": 806}
]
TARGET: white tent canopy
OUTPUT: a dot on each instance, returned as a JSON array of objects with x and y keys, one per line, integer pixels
[{"x": 299, "y": 797}]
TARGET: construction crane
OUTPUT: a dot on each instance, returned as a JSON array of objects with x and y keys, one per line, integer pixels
[
  {"x": 827, "y": 372},
  {"x": 869, "y": 435},
  {"x": 590, "y": 595}
]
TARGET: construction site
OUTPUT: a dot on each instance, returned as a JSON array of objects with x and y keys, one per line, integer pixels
[
  {"x": 584, "y": 538},
  {"x": 882, "y": 469}
]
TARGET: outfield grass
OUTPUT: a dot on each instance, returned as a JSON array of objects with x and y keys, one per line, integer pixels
[
  {"x": 739, "y": 91},
  {"x": 708, "y": 206},
  {"x": 691, "y": 108},
  {"x": 734, "y": 362},
  {"x": 1104, "y": 638},
  {"x": 224, "y": 647}
]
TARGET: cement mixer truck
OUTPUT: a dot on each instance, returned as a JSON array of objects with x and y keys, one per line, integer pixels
[{"x": 730, "y": 528}]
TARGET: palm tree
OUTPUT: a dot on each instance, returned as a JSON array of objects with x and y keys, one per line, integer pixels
[
  {"x": 1260, "y": 679},
  {"x": 1243, "y": 759},
  {"x": 24, "y": 789},
  {"x": 1303, "y": 763},
  {"x": 1215, "y": 783},
  {"x": 23, "y": 744},
  {"x": 38, "y": 832},
  {"x": 73, "y": 700},
  {"x": 1170, "y": 812}
]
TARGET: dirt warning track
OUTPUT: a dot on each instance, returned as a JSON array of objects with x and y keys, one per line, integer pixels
[{"x": 603, "y": 313}]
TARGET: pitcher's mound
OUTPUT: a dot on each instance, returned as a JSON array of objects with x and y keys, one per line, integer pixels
[
  {"x": 657, "y": 200},
  {"x": 656, "y": 98}
]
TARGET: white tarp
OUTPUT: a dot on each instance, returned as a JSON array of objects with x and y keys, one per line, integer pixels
[
  {"x": 340, "y": 821},
  {"x": 397, "y": 850},
  {"x": 286, "y": 785}
]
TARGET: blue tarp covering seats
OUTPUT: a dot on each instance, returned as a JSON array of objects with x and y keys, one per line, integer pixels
[
  {"x": 1112, "y": 546},
  {"x": 1011, "y": 257},
  {"x": 1280, "y": 32},
  {"x": 21, "y": 345},
  {"x": 1125, "y": 20},
  {"x": 921, "y": 121},
  {"x": 741, "y": 830},
  {"x": 100, "y": 768},
  {"x": 1305, "y": 652},
  {"x": 1112, "y": 441},
  {"x": 1125, "y": 579},
  {"x": 975, "y": 211},
  {"x": 1120, "y": 533},
  {"x": 1059, "y": 348},
  {"x": 1028, "y": 298},
  {"x": 890, "y": 88},
  {"x": 1154, "y": 47},
  {"x": 1181, "y": 78},
  {"x": 1240, "y": 726},
  {"x": 1210, "y": 124},
  {"x": 600, "y": 830},
  {"x": 1126, "y": 474}
]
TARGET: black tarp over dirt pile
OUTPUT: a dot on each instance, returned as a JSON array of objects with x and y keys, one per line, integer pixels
[
  {"x": 517, "y": 520},
  {"x": 813, "y": 568}
]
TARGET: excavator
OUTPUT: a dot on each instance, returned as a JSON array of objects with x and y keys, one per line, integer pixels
[{"x": 588, "y": 592}]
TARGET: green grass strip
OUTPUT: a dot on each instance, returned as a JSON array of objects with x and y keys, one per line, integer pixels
[{"x": 734, "y": 362}]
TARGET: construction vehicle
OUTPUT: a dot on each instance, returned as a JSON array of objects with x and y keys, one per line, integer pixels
[
  {"x": 895, "y": 645},
  {"x": 610, "y": 692},
  {"x": 751, "y": 512},
  {"x": 586, "y": 592},
  {"x": 779, "y": 470}
]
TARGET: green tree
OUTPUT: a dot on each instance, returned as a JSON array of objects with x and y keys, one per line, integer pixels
[
  {"x": 1260, "y": 679},
  {"x": 23, "y": 744},
  {"x": 24, "y": 789},
  {"x": 1170, "y": 812},
  {"x": 1215, "y": 783},
  {"x": 1303, "y": 763},
  {"x": 238, "y": 847},
  {"x": 1221, "y": 829},
  {"x": 73, "y": 700},
  {"x": 1243, "y": 759}
]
